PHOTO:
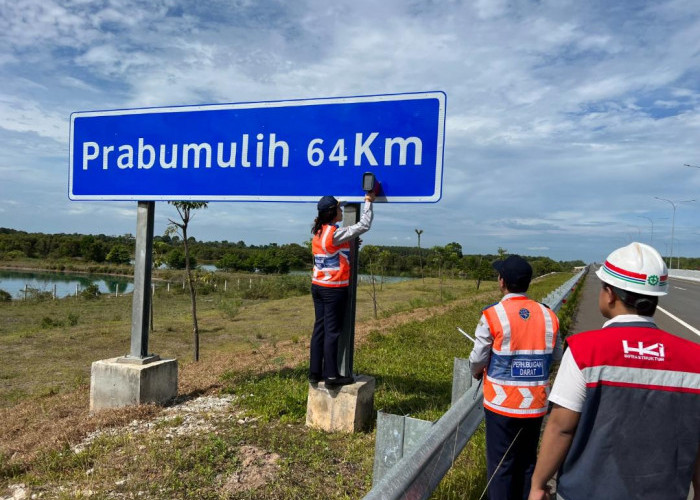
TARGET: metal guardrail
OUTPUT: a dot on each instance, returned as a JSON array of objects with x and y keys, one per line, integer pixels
[
  {"x": 557, "y": 298},
  {"x": 685, "y": 274},
  {"x": 419, "y": 471},
  {"x": 417, "y": 474}
]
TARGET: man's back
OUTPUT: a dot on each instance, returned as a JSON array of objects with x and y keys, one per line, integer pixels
[{"x": 639, "y": 431}]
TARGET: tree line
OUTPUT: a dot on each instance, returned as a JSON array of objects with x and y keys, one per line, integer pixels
[{"x": 438, "y": 261}]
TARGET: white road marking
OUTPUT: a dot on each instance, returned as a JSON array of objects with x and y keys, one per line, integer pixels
[
  {"x": 689, "y": 327},
  {"x": 679, "y": 288}
]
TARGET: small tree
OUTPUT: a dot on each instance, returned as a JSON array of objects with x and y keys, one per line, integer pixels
[
  {"x": 185, "y": 211},
  {"x": 119, "y": 254},
  {"x": 443, "y": 258},
  {"x": 483, "y": 271},
  {"x": 420, "y": 256}
]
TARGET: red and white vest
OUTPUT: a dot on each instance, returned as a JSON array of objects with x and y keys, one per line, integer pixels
[
  {"x": 516, "y": 383},
  {"x": 331, "y": 262},
  {"x": 639, "y": 431}
]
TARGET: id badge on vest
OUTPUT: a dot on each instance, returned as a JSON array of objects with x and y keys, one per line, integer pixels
[{"x": 527, "y": 368}]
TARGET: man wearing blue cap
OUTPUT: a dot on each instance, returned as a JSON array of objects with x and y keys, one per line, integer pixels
[{"x": 517, "y": 339}]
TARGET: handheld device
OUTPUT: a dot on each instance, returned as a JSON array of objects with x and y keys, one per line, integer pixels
[{"x": 369, "y": 182}]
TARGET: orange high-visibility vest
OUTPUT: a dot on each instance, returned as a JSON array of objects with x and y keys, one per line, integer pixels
[
  {"x": 516, "y": 383},
  {"x": 331, "y": 263}
]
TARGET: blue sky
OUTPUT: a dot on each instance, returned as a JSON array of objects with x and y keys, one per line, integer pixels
[{"x": 564, "y": 118}]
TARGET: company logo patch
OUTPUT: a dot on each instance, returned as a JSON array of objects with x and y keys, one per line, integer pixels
[
  {"x": 653, "y": 280},
  {"x": 524, "y": 313},
  {"x": 653, "y": 352}
]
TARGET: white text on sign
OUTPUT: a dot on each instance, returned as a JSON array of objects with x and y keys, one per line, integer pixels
[{"x": 265, "y": 151}]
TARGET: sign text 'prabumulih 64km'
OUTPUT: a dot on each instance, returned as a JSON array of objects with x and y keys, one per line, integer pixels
[{"x": 267, "y": 151}]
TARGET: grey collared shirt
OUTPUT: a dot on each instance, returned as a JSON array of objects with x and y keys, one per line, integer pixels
[{"x": 346, "y": 233}]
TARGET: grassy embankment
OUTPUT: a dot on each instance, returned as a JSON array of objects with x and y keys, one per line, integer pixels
[{"x": 252, "y": 348}]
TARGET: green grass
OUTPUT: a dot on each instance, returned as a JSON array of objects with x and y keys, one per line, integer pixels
[{"x": 412, "y": 364}]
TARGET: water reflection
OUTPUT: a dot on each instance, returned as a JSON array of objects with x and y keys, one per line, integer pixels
[{"x": 16, "y": 282}]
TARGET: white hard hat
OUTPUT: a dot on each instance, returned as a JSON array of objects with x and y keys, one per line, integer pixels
[{"x": 636, "y": 268}]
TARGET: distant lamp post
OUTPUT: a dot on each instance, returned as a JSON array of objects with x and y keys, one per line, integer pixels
[
  {"x": 652, "y": 225},
  {"x": 420, "y": 256},
  {"x": 673, "y": 224}
]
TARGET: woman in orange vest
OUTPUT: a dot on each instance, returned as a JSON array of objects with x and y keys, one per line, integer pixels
[{"x": 329, "y": 285}]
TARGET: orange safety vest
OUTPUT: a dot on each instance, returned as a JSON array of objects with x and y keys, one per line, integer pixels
[
  {"x": 331, "y": 262},
  {"x": 516, "y": 383}
]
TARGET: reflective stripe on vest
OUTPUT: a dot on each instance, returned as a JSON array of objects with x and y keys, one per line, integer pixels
[
  {"x": 517, "y": 380},
  {"x": 331, "y": 262}
]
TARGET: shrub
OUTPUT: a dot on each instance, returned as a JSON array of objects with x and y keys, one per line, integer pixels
[
  {"x": 5, "y": 296},
  {"x": 91, "y": 291},
  {"x": 14, "y": 255},
  {"x": 278, "y": 287},
  {"x": 229, "y": 307},
  {"x": 73, "y": 319},
  {"x": 48, "y": 322},
  {"x": 36, "y": 294}
]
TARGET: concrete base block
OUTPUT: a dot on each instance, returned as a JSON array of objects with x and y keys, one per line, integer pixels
[
  {"x": 349, "y": 408},
  {"x": 114, "y": 383}
]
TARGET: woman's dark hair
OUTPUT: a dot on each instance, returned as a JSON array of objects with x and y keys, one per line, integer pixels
[
  {"x": 644, "y": 305},
  {"x": 324, "y": 217}
]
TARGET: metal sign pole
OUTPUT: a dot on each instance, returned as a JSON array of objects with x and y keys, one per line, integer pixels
[
  {"x": 142, "y": 283},
  {"x": 346, "y": 344}
]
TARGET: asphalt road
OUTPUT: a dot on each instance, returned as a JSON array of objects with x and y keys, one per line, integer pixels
[{"x": 678, "y": 312}]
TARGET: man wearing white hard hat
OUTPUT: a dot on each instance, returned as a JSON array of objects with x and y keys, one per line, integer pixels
[{"x": 625, "y": 423}]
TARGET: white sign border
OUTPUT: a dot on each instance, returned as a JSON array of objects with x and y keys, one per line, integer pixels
[{"x": 439, "y": 95}]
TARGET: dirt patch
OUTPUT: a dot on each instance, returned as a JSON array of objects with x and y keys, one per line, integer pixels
[
  {"x": 258, "y": 467},
  {"x": 188, "y": 417}
]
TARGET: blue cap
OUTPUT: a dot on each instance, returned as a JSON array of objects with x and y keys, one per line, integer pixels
[
  {"x": 328, "y": 202},
  {"x": 515, "y": 271}
]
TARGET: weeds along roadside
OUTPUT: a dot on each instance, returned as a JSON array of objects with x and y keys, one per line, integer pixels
[{"x": 412, "y": 364}]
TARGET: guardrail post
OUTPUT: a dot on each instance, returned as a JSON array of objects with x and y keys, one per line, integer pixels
[
  {"x": 395, "y": 437},
  {"x": 461, "y": 378}
]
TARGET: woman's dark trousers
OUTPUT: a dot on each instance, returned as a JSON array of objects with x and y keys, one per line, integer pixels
[{"x": 329, "y": 306}]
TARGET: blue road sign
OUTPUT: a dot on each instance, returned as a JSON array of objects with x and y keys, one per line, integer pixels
[{"x": 265, "y": 151}]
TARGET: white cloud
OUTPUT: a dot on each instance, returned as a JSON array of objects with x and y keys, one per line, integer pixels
[{"x": 563, "y": 119}]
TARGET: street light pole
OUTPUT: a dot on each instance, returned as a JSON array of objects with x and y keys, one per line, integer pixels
[
  {"x": 652, "y": 225},
  {"x": 673, "y": 224}
]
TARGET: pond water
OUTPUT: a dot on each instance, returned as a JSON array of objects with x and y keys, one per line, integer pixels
[{"x": 15, "y": 283}]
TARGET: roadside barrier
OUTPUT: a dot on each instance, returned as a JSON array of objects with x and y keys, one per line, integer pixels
[
  {"x": 684, "y": 274},
  {"x": 412, "y": 456},
  {"x": 557, "y": 298}
]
